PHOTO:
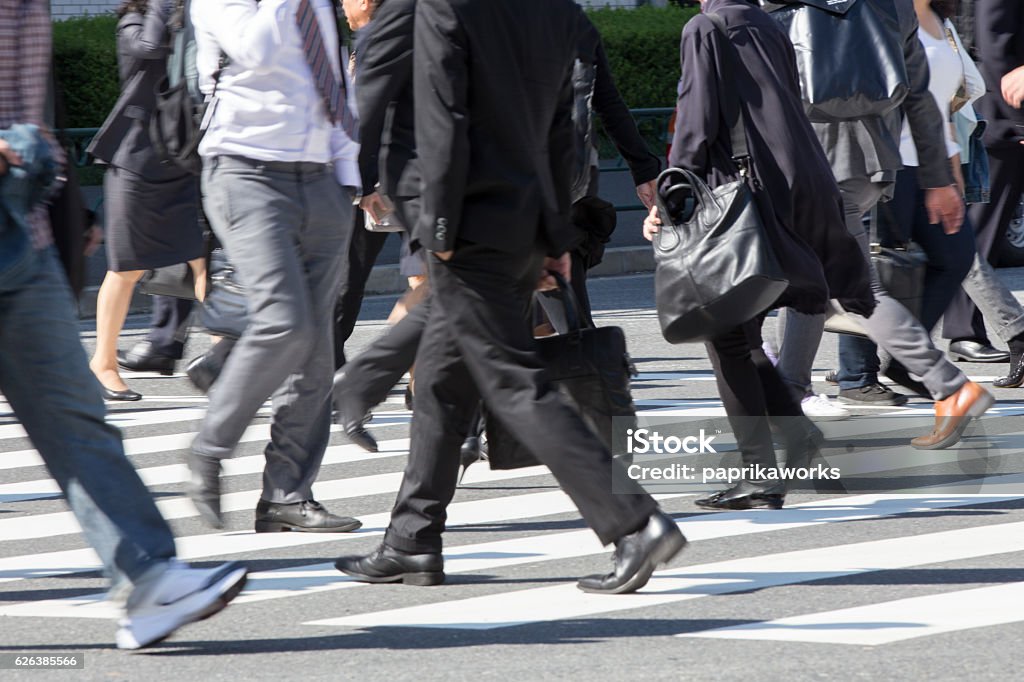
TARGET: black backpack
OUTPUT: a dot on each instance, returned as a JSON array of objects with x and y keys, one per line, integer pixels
[{"x": 176, "y": 124}]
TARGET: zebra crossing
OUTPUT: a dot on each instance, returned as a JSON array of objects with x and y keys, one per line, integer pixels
[{"x": 518, "y": 527}]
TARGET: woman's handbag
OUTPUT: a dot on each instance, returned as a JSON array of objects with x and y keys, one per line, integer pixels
[
  {"x": 224, "y": 311},
  {"x": 175, "y": 280},
  {"x": 714, "y": 264},
  {"x": 588, "y": 364},
  {"x": 901, "y": 270}
]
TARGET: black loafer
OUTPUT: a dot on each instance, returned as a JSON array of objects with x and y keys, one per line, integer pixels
[
  {"x": 308, "y": 516},
  {"x": 127, "y": 395},
  {"x": 387, "y": 565},
  {"x": 968, "y": 350},
  {"x": 745, "y": 495},
  {"x": 204, "y": 487},
  {"x": 636, "y": 556},
  {"x": 143, "y": 358}
]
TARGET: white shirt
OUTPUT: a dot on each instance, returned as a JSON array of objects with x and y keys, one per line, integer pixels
[
  {"x": 947, "y": 73},
  {"x": 267, "y": 106}
]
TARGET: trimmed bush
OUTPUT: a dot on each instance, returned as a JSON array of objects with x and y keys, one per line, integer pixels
[
  {"x": 642, "y": 46},
  {"x": 85, "y": 61},
  {"x": 643, "y": 51}
]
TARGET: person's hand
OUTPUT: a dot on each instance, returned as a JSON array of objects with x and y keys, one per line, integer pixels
[
  {"x": 443, "y": 255},
  {"x": 652, "y": 224},
  {"x": 374, "y": 205},
  {"x": 647, "y": 193},
  {"x": 7, "y": 157},
  {"x": 562, "y": 265},
  {"x": 945, "y": 206},
  {"x": 1012, "y": 86}
]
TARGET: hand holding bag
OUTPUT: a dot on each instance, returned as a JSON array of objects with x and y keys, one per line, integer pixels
[{"x": 588, "y": 364}]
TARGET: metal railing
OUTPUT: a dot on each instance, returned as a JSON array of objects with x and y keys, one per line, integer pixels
[{"x": 652, "y": 123}]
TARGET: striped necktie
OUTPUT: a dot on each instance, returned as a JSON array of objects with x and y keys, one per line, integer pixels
[{"x": 331, "y": 89}]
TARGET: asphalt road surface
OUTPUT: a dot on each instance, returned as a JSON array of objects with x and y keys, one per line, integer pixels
[{"x": 924, "y": 585}]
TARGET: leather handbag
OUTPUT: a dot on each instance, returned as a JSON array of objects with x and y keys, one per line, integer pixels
[
  {"x": 901, "y": 270},
  {"x": 175, "y": 280},
  {"x": 849, "y": 55},
  {"x": 590, "y": 366},
  {"x": 224, "y": 311}
]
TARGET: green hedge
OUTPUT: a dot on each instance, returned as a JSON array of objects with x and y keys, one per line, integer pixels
[
  {"x": 642, "y": 46},
  {"x": 85, "y": 60},
  {"x": 643, "y": 51}
]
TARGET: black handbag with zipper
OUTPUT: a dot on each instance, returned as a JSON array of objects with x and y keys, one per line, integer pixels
[{"x": 590, "y": 366}]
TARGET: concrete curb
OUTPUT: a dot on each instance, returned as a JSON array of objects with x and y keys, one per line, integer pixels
[{"x": 386, "y": 279}]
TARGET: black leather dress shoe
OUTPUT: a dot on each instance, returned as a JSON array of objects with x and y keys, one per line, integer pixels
[
  {"x": 637, "y": 555},
  {"x": 968, "y": 350},
  {"x": 204, "y": 487},
  {"x": 746, "y": 495},
  {"x": 351, "y": 414},
  {"x": 308, "y": 516},
  {"x": 202, "y": 371},
  {"x": 387, "y": 565},
  {"x": 125, "y": 396},
  {"x": 1015, "y": 378},
  {"x": 143, "y": 358}
]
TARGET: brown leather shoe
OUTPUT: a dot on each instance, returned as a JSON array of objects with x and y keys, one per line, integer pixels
[{"x": 952, "y": 416}]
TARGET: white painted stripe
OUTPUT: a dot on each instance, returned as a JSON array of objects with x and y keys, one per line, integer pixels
[
  {"x": 302, "y": 580},
  {"x": 63, "y": 523},
  {"x": 235, "y": 466},
  {"x": 888, "y": 622},
  {"x": 128, "y": 418},
  {"x": 495, "y": 510},
  {"x": 565, "y": 601}
]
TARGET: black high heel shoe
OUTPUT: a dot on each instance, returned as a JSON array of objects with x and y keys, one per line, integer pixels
[
  {"x": 1016, "y": 376},
  {"x": 124, "y": 396}
]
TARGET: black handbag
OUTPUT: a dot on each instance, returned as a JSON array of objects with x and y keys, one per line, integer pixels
[
  {"x": 849, "y": 55},
  {"x": 901, "y": 270},
  {"x": 175, "y": 280},
  {"x": 589, "y": 365},
  {"x": 224, "y": 311}
]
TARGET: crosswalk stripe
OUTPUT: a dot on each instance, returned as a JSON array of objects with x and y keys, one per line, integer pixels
[
  {"x": 888, "y": 622},
  {"x": 63, "y": 523},
  {"x": 561, "y": 602},
  {"x": 300, "y": 580},
  {"x": 235, "y": 466}
]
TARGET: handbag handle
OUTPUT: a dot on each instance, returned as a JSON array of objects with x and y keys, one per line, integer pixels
[
  {"x": 570, "y": 305},
  {"x": 681, "y": 179}
]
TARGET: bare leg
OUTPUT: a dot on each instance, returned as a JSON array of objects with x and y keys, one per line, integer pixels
[{"x": 111, "y": 308}]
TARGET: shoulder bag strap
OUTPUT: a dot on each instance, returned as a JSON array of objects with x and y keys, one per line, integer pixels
[{"x": 740, "y": 150}]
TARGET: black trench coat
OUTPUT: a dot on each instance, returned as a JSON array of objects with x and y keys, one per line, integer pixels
[{"x": 796, "y": 191}]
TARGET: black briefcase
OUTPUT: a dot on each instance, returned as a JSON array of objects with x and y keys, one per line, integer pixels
[
  {"x": 591, "y": 367},
  {"x": 175, "y": 280}
]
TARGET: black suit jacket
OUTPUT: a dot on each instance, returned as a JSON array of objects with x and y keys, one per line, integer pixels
[
  {"x": 142, "y": 51},
  {"x": 999, "y": 43},
  {"x": 384, "y": 95},
  {"x": 494, "y": 130}
]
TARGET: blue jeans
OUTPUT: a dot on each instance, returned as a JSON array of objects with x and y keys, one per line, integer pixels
[{"x": 45, "y": 375}]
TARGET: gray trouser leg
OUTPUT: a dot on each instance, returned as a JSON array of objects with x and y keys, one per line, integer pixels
[
  {"x": 892, "y": 326},
  {"x": 798, "y": 336},
  {"x": 286, "y": 229},
  {"x": 994, "y": 299}
]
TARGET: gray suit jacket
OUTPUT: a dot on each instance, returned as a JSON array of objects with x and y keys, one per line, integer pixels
[
  {"x": 142, "y": 50},
  {"x": 871, "y": 147}
]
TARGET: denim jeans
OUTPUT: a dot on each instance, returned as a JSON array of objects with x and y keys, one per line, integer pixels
[{"x": 45, "y": 375}]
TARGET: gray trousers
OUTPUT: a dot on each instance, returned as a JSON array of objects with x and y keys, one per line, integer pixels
[
  {"x": 286, "y": 228},
  {"x": 994, "y": 299},
  {"x": 892, "y": 327}
]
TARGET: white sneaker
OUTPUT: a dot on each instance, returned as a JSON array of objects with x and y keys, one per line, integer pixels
[
  {"x": 178, "y": 596},
  {"x": 821, "y": 408}
]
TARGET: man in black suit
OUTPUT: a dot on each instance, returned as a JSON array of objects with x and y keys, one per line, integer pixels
[
  {"x": 999, "y": 48},
  {"x": 495, "y": 146}
]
